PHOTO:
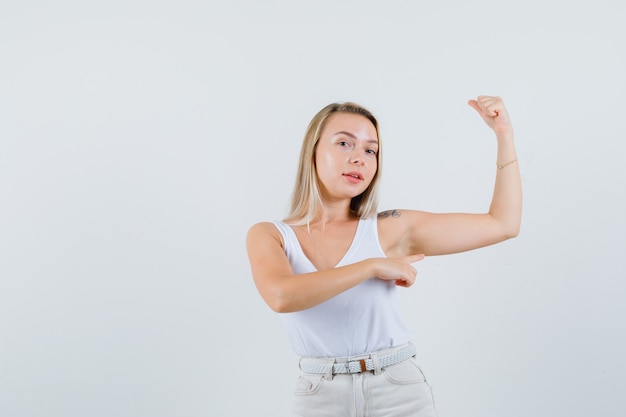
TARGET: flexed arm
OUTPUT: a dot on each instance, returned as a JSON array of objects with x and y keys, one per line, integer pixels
[
  {"x": 413, "y": 231},
  {"x": 506, "y": 204}
]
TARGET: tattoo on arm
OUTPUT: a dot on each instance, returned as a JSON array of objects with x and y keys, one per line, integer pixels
[{"x": 388, "y": 213}]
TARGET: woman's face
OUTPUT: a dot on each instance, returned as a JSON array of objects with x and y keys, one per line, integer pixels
[{"x": 346, "y": 156}]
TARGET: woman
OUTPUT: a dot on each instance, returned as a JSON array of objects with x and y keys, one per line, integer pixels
[{"x": 332, "y": 267}]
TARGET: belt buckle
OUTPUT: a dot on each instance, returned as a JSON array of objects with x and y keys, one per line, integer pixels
[{"x": 362, "y": 366}]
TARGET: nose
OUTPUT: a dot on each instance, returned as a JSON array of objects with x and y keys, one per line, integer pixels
[{"x": 357, "y": 159}]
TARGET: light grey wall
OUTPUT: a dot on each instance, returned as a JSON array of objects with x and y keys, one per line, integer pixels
[{"x": 140, "y": 140}]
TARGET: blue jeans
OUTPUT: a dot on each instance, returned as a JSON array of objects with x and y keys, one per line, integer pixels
[{"x": 399, "y": 390}]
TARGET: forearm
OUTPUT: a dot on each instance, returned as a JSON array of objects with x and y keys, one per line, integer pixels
[
  {"x": 506, "y": 205},
  {"x": 301, "y": 291}
]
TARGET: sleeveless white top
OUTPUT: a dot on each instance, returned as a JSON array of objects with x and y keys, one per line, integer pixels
[{"x": 364, "y": 319}]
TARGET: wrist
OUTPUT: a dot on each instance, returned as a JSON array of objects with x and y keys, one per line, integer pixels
[
  {"x": 505, "y": 136},
  {"x": 371, "y": 268}
]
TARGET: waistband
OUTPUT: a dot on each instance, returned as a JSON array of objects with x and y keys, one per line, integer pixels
[{"x": 375, "y": 361}]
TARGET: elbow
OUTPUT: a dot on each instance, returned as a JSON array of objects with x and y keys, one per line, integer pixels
[
  {"x": 506, "y": 228},
  {"x": 278, "y": 295},
  {"x": 511, "y": 235},
  {"x": 511, "y": 231},
  {"x": 280, "y": 303},
  {"x": 281, "y": 308},
  {"x": 278, "y": 306}
]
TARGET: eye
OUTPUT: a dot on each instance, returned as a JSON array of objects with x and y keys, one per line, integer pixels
[
  {"x": 371, "y": 152},
  {"x": 343, "y": 143}
]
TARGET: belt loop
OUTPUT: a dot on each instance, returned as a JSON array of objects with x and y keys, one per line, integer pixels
[
  {"x": 329, "y": 369},
  {"x": 376, "y": 363}
]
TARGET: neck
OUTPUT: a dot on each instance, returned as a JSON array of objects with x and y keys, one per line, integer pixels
[{"x": 336, "y": 211}]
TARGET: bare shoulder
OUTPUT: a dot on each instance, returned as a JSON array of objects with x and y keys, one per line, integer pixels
[
  {"x": 262, "y": 227},
  {"x": 262, "y": 232}
]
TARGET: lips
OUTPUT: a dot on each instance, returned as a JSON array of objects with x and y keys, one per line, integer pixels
[{"x": 353, "y": 176}]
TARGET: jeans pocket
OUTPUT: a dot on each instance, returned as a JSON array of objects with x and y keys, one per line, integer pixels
[
  {"x": 405, "y": 372},
  {"x": 308, "y": 384}
]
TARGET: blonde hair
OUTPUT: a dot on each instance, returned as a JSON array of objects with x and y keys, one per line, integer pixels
[{"x": 306, "y": 201}]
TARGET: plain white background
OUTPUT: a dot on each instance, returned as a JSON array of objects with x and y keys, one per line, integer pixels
[{"x": 139, "y": 140}]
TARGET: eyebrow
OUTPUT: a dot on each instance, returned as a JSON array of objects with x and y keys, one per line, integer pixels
[{"x": 343, "y": 132}]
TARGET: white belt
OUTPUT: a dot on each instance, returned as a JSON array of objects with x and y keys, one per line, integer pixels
[{"x": 314, "y": 366}]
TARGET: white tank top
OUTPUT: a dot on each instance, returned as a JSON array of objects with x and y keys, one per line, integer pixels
[{"x": 361, "y": 320}]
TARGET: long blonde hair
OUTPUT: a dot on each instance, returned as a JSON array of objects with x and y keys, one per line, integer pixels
[{"x": 306, "y": 201}]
